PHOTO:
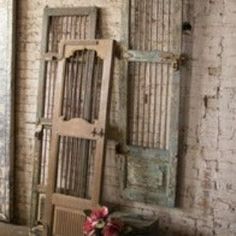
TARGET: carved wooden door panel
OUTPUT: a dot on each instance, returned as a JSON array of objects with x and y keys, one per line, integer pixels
[
  {"x": 78, "y": 134},
  {"x": 152, "y": 47}
]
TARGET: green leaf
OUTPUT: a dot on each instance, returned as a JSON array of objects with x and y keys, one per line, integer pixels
[{"x": 100, "y": 224}]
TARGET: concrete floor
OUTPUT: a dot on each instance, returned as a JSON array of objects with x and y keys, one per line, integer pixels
[{"x": 12, "y": 230}]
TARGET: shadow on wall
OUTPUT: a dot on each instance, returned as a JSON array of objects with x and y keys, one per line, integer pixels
[
  {"x": 191, "y": 195},
  {"x": 192, "y": 189},
  {"x": 186, "y": 77},
  {"x": 159, "y": 230}
]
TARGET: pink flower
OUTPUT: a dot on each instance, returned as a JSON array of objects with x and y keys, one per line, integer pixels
[
  {"x": 95, "y": 220},
  {"x": 113, "y": 228},
  {"x": 100, "y": 213},
  {"x": 89, "y": 226}
]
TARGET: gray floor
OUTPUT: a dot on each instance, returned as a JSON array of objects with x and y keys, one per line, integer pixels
[{"x": 12, "y": 230}]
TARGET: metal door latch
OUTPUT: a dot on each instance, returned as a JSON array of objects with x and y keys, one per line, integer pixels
[
  {"x": 181, "y": 60},
  {"x": 155, "y": 56},
  {"x": 98, "y": 133}
]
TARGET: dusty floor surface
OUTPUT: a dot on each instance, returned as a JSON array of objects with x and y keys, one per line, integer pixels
[{"x": 12, "y": 230}]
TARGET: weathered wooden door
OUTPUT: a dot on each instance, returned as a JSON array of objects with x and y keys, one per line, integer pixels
[
  {"x": 78, "y": 134},
  {"x": 58, "y": 24},
  {"x": 151, "y": 52}
]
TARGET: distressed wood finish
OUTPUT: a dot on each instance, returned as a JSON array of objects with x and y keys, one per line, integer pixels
[
  {"x": 58, "y": 24},
  {"x": 150, "y": 56},
  {"x": 7, "y": 67},
  {"x": 151, "y": 50},
  {"x": 62, "y": 201}
]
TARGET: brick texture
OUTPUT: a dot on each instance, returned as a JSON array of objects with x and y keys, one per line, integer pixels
[{"x": 207, "y": 161}]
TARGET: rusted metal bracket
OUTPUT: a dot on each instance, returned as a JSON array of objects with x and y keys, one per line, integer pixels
[
  {"x": 149, "y": 56},
  {"x": 155, "y": 56},
  {"x": 180, "y": 62}
]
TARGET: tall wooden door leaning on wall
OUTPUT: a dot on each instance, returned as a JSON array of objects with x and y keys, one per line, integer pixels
[
  {"x": 151, "y": 56},
  {"x": 78, "y": 134},
  {"x": 58, "y": 24}
]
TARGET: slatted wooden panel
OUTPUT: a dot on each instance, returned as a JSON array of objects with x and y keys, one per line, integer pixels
[
  {"x": 152, "y": 44},
  {"x": 83, "y": 79},
  {"x": 150, "y": 25},
  {"x": 62, "y": 28},
  {"x": 149, "y": 88},
  {"x": 72, "y": 222},
  {"x": 59, "y": 24},
  {"x": 76, "y": 167},
  {"x": 78, "y": 134},
  {"x": 149, "y": 104}
]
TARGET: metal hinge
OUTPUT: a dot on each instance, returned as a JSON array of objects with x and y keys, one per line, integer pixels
[
  {"x": 100, "y": 133},
  {"x": 175, "y": 60},
  {"x": 181, "y": 60}
]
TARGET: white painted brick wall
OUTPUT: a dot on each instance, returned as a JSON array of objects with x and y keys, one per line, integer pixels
[{"x": 207, "y": 190}]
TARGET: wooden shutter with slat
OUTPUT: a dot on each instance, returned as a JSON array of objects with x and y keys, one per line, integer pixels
[
  {"x": 78, "y": 134},
  {"x": 58, "y": 24},
  {"x": 152, "y": 47}
]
